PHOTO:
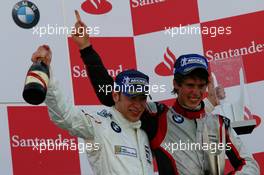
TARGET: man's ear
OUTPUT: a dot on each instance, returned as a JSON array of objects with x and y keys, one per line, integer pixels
[
  {"x": 175, "y": 85},
  {"x": 116, "y": 96}
]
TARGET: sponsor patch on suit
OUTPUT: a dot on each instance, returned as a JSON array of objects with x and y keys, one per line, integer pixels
[{"x": 124, "y": 150}]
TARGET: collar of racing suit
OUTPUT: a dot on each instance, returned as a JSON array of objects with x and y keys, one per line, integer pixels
[
  {"x": 121, "y": 120},
  {"x": 190, "y": 114}
]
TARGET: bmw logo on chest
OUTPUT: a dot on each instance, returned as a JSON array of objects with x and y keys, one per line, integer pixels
[
  {"x": 177, "y": 118},
  {"x": 115, "y": 127},
  {"x": 25, "y": 14}
]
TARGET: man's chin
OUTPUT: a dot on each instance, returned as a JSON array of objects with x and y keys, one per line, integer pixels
[{"x": 193, "y": 105}]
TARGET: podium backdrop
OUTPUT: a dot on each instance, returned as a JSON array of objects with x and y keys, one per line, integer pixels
[{"x": 147, "y": 35}]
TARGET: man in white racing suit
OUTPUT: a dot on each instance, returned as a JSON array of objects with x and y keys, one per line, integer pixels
[{"x": 120, "y": 146}]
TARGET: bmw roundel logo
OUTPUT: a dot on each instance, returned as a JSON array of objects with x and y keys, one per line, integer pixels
[
  {"x": 115, "y": 127},
  {"x": 25, "y": 14},
  {"x": 177, "y": 118}
]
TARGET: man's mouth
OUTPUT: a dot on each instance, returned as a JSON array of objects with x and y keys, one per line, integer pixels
[
  {"x": 134, "y": 111},
  {"x": 194, "y": 99}
]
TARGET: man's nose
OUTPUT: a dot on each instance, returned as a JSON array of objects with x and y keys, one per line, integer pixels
[{"x": 196, "y": 90}]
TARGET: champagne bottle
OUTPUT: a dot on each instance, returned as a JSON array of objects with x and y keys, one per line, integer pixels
[{"x": 36, "y": 83}]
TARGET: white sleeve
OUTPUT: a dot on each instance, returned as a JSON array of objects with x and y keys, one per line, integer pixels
[{"x": 65, "y": 115}]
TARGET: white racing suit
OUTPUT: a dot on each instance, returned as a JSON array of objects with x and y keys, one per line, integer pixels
[
  {"x": 178, "y": 132},
  {"x": 120, "y": 146}
]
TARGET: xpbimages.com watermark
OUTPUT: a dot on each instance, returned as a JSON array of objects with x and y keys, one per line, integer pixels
[
  {"x": 147, "y": 89},
  {"x": 212, "y": 31},
  {"x": 51, "y": 144},
  {"x": 55, "y": 29},
  {"x": 212, "y": 147}
]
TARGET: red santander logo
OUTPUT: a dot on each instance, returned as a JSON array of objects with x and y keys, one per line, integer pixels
[
  {"x": 248, "y": 115},
  {"x": 96, "y": 7},
  {"x": 165, "y": 68}
]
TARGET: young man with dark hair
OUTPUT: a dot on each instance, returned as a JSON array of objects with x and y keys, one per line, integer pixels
[{"x": 114, "y": 141}]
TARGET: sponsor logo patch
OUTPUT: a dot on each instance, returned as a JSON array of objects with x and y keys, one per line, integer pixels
[
  {"x": 148, "y": 155},
  {"x": 124, "y": 150},
  {"x": 105, "y": 114},
  {"x": 115, "y": 127},
  {"x": 177, "y": 118}
]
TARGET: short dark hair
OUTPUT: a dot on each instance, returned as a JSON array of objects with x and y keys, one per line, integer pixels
[{"x": 195, "y": 74}]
